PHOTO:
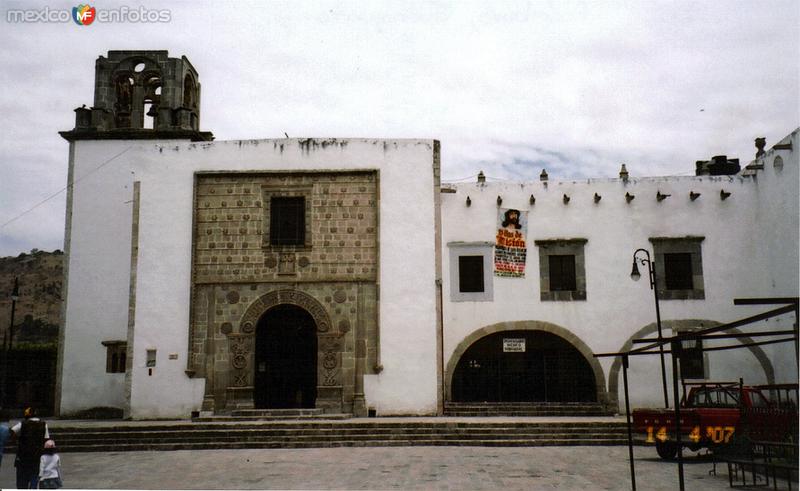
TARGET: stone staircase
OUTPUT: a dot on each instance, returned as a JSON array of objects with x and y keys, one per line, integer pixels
[
  {"x": 490, "y": 409},
  {"x": 366, "y": 432},
  {"x": 270, "y": 415}
]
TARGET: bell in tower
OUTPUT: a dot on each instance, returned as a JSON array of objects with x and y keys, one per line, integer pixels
[{"x": 142, "y": 95}]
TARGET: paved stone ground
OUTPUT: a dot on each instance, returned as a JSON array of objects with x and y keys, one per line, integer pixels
[{"x": 381, "y": 468}]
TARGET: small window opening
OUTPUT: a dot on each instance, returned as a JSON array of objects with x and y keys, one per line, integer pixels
[
  {"x": 287, "y": 221},
  {"x": 151, "y": 358},
  {"x": 470, "y": 274},
  {"x": 678, "y": 271},
  {"x": 562, "y": 272},
  {"x": 115, "y": 356}
]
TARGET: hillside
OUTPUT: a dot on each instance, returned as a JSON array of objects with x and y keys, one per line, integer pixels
[{"x": 38, "y": 311}]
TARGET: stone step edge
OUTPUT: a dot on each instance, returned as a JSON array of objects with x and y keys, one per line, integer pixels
[
  {"x": 390, "y": 436},
  {"x": 334, "y": 431},
  {"x": 524, "y": 404},
  {"x": 334, "y": 425},
  {"x": 345, "y": 443}
]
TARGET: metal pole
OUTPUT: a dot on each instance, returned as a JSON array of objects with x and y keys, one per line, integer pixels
[
  {"x": 5, "y": 371},
  {"x": 654, "y": 285},
  {"x": 796, "y": 319},
  {"x": 651, "y": 275},
  {"x": 7, "y": 351},
  {"x": 628, "y": 419},
  {"x": 675, "y": 350},
  {"x": 11, "y": 330}
]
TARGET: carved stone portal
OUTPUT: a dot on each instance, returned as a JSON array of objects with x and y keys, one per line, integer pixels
[{"x": 241, "y": 350}]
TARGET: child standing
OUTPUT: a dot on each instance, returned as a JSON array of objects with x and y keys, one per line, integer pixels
[{"x": 50, "y": 467}]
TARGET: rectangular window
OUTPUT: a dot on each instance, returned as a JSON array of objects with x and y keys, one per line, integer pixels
[
  {"x": 151, "y": 358},
  {"x": 679, "y": 267},
  {"x": 470, "y": 274},
  {"x": 116, "y": 356},
  {"x": 678, "y": 271},
  {"x": 287, "y": 221},
  {"x": 562, "y": 272},
  {"x": 562, "y": 269}
]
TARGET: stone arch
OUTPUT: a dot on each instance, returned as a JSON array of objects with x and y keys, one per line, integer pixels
[
  {"x": 613, "y": 373},
  {"x": 248, "y": 322},
  {"x": 133, "y": 90},
  {"x": 189, "y": 95},
  {"x": 530, "y": 325}
]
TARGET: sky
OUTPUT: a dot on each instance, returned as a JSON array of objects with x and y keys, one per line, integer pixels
[{"x": 510, "y": 88}]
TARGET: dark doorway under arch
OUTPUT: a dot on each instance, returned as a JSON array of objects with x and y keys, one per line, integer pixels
[
  {"x": 285, "y": 359},
  {"x": 549, "y": 369}
]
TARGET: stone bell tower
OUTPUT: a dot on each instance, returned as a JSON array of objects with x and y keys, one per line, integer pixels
[{"x": 141, "y": 95}]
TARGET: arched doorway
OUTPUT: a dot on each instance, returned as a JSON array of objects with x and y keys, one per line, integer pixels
[
  {"x": 523, "y": 366},
  {"x": 285, "y": 359}
]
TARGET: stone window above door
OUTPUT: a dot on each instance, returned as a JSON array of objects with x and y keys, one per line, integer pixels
[
  {"x": 287, "y": 217},
  {"x": 287, "y": 220},
  {"x": 562, "y": 272}
]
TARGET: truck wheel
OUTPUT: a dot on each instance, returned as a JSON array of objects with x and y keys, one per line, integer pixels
[{"x": 667, "y": 450}]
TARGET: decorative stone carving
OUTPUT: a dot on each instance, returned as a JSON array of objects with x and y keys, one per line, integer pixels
[
  {"x": 239, "y": 361},
  {"x": 292, "y": 297},
  {"x": 286, "y": 263},
  {"x": 329, "y": 361},
  {"x": 330, "y": 349},
  {"x": 339, "y": 296},
  {"x": 241, "y": 350}
]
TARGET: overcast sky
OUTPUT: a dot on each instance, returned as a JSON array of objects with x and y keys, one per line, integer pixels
[{"x": 507, "y": 87}]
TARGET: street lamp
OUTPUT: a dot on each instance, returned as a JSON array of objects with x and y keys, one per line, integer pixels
[
  {"x": 7, "y": 347},
  {"x": 14, "y": 298},
  {"x": 635, "y": 275}
]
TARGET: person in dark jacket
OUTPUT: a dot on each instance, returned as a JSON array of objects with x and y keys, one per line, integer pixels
[{"x": 31, "y": 434}]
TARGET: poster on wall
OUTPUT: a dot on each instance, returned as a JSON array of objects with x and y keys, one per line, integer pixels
[
  {"x": 510, "y": 250},
  {"x": 513, "y": 345}
]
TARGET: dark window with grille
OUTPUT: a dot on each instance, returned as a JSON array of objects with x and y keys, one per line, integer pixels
[
  {"x": 287, "y": 221},
  {"x": 470, "y": 274},
  {"x": 678, "y": 271},
  {"x": 562, "y": 272},
  {"x": 116, "y": 356}
]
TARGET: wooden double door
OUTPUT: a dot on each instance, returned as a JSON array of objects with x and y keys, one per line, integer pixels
[{"x": 285, "y": 359}]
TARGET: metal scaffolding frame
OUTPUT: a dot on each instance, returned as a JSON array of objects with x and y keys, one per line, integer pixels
[{"x": 787, "y": 305}]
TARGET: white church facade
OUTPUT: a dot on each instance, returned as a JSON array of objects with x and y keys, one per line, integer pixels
[{"x": 342, "y": 275}]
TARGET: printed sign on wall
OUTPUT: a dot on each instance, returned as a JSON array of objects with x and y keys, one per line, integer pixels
[
  {"x": 510, "y": 250},
  {"x": 513, "y": 345}
]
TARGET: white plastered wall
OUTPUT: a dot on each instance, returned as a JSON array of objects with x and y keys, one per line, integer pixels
[{"x": 97, "y": 248}]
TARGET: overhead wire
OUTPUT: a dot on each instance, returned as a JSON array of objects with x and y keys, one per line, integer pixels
[{"x": 76, "y": 181}]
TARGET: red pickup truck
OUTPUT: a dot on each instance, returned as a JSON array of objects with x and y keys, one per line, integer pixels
[{"x": 712, "y": 413}]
